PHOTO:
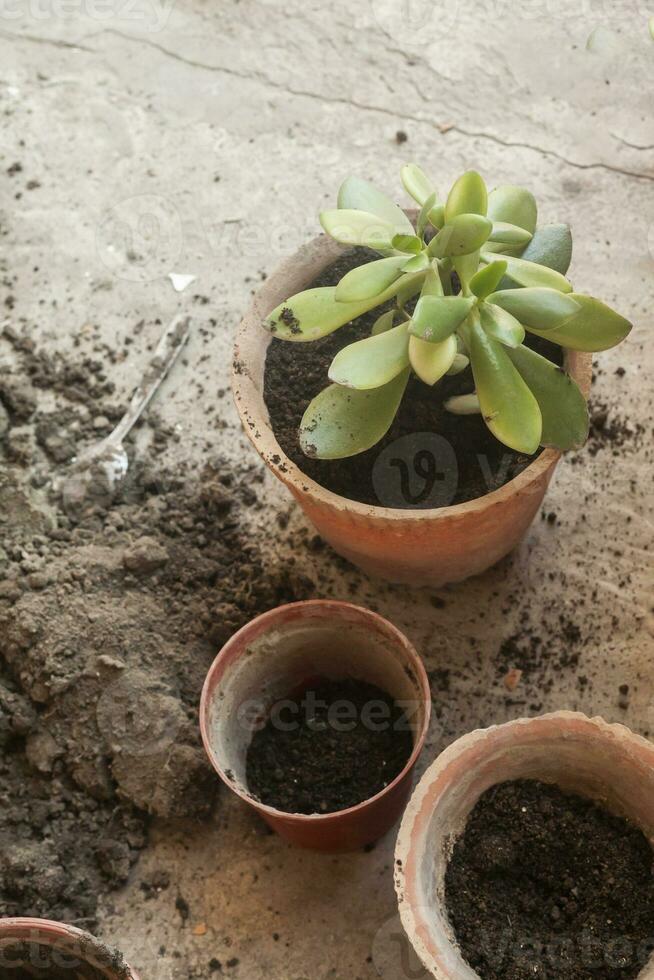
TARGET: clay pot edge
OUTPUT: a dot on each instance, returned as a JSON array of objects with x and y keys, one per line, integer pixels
[
  {"x": 634, "y": 744},
  {"x": 260, "y": 622},
  {"x": 16, "y": 926}
]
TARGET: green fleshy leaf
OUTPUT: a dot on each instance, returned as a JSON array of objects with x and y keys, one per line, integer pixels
[
  {"x": 531, "y": 274},
  {"x": 372, "y": 362},
  {"x": 383, "y": 323},
  {"x": 507, "y": 234},
  {"x": 464, "y": 234},
  {"x": 463, "y": 405},
  {"x": 468, "y": 196},
  {"x": 562, "y": 405},
  {"x": 551, "y": 245},
  {"x": 509, "y": 409},
  {"x": 316, "y": 312},
  {"x": 407, "y": 243},
  {"x": 466, "y": 266},
  {"x": 432, "y": 285},
  {"x": 436, "y": 317},
  {"x": 417, "y": 263},
  {"x": 360, "y": 195},
  {"x": 459, "y": 364},
  {"x": 431, "y": 361},
  {"x": 369, "y": 280},
  {"x": 514, "y": 205},
  {"x": 423, "y": 217},
  {"x": 410, "y": 285},
  {"x": 342, "y": 422},
  {"x": 486, "y": 280},
  {"x": 501, "y": 325},
  {"x": 416, "y": 183},
  {"x": 351, "y": 227},
  {"x": 437, "y": 215},
  {"x": 537, "y": 307},
  {"x": 594, "y": 327}
]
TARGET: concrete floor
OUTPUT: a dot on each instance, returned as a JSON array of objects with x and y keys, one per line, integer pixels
[{"x": 202, "y": 138}]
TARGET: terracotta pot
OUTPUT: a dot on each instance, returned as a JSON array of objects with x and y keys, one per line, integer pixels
[
  {"x": 68, "y": 948},
  {"x": 584, "y": 755},
  {"x": 281, "y": 652},
  {"x": 429, "y": 547}
]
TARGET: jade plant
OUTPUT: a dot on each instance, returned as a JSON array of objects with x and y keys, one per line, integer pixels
[{"x": 458, "y": 292}]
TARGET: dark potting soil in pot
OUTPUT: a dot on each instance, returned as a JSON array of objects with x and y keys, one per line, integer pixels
[
  {"x": 50, "y": 973},
  {"x": 548, "y": 884},
  {"x": 34, "y": 961},
  {"x": 428, "y": 458},
  {"x": 331, "y": 747}
]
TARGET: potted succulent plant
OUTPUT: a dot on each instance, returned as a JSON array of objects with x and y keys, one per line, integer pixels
[{"x": 462, "y": 337}]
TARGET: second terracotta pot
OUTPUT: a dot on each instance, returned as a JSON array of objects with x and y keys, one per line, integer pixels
[
  {"x": 607, "y": 763},
  {"x": 48, "y": 944},
  {"x": 279, "y": 653},
  {"x": 420, "y": 547}
]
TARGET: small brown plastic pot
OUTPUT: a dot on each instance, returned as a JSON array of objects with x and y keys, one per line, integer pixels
[
  {"x": 61, "y": 946},
  {"x": 281, "y": 652},
  {"x": 607, "y": 763},
  {"x": 424, "y": 547}
]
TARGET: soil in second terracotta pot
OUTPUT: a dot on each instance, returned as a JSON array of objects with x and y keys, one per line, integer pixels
[
  {"x": 329, "y": 748},
  {"x": 545, "y": 884},
  {"x": 428, "y": 458}
]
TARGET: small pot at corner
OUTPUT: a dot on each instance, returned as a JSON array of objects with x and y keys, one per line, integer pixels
[
  {"x": 66, "y": 947},
  {"x": 428, "y": 547},
  {"x": 279, "y": 652},
  {"x": 588, "y": 756}
]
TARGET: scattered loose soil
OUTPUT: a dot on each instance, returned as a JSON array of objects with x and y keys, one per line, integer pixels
[
  {"x": 107, "y": 629},
  {"x": 544, "y": 883},
  {"x": 425, "y": 471},
  {"x": 610, "y": 430},
  {"x": 347, "y": 741}
]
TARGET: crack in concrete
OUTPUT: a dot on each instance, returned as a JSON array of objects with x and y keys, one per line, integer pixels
[
  {"x": 337, "y": 100},
  {"x": 638, "y": 175},
  {"x": 632, "y": 146},
  {"x": 50, "y": 41}
]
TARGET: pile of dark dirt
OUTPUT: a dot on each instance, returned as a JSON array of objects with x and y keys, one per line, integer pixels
[
  {"x": 107, "y": 629},
  {"x": 334, "y": 746},
  {"x": 544, "y": 883}
]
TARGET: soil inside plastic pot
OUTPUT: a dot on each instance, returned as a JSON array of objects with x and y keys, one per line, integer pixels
[
  {"x": 428, "y": 458},
  {"x": 548, "y": 884},
  {"x": 331, "y": 747}
]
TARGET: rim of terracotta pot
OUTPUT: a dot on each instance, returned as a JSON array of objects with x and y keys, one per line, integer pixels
[
  {"x": 23, "y": 929},
  {"x": 252, "y": 630},
  {"x": 252, "y": 341},
  {"x": 437, "y": 948}
]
